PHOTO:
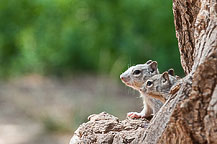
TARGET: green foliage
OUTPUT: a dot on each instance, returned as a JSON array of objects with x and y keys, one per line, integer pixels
[{"x": 101, "y": 36}]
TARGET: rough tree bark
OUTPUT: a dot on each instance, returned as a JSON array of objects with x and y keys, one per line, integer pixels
[{"x": 190, "y": 115}]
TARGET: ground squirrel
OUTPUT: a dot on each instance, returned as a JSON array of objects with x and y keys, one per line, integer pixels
[
  {"x": 159, "y": 85},
  {"x": 135, "y": 77}
]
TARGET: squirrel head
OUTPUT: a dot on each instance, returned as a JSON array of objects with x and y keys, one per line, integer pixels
[
  {"x": 159, "y": 86},
  {"x": 135, "y": 76}
]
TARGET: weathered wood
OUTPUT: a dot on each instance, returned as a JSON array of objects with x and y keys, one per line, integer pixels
[{"x": 190, "y": 116}]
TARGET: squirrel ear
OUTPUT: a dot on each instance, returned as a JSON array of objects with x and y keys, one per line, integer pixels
[
  {"x": 148, "y": 62},
  {"x": 166, "y": 76},
  {"x": 153, "y": 65},
  {"x": 171, "y": 72}
]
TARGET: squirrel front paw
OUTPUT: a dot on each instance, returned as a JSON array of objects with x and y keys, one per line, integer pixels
[{"x": 135, "y": 115}]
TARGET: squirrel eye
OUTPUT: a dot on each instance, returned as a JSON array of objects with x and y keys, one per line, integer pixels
[
  {"x": 136, "y": 72},
  {"x": 149, "y": 83},
  {"x": 164, "y": 81}
]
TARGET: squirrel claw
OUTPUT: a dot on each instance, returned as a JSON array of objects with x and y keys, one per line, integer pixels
[{"x": 134, "y": 115}]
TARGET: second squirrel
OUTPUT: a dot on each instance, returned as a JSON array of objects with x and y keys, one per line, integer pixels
[{"x": 159, "y": 85}]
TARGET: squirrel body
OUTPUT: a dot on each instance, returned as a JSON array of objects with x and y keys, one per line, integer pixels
[{"x": 135, "y": 77}]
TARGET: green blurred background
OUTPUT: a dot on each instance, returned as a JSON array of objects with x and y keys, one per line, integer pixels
[
  {"x": 62, "y": 37},
  {"x": 61, "y": 60}
]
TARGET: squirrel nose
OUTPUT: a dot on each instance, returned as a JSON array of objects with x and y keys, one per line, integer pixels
[
  {"x": 122, "y": 78},
  {"x": 140, "y": 89}
]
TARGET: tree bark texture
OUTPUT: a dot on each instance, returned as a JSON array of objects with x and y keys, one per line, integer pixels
[{"x": 190, "y": 115}]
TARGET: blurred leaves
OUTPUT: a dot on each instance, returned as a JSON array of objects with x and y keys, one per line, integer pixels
[{"x": 102, "y": 36}]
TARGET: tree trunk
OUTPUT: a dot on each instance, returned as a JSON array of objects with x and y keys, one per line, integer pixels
[{"x": 190, "y": 115}]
